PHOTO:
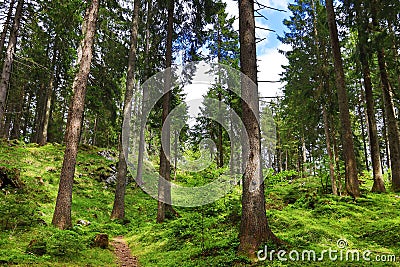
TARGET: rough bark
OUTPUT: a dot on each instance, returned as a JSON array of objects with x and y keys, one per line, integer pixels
[
  {"x": 6, "y": 26},
  {"x": 378, "y": 185},
  {"x": 62, "y": 212},
  {"x": 330, "y": 154},
  {"x": 8, "y": 62},
  {"x": 352, "y": 185},
  {"x": 42, "y": 135},
  {"x": 139, "y": 171},
  {"x": 118, "y": 211},
  {"x": 392, "y": 124},
  {"x": 164, "y": 190},
  {"x": 254, "y": 228},
  {"x": 220, "y": 141}
]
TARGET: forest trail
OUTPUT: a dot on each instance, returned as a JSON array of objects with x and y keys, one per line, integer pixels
[{"x": 123, "y": 252}]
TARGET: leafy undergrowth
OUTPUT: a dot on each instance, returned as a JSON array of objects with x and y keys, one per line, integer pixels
[{"x": 299, "y": 213}]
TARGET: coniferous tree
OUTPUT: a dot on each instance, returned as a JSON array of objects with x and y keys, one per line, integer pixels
[{"x": 62, "y": 212}]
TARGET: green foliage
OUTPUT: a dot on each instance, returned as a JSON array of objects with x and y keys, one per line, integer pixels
[
  {"x": 65, "y": 243},
  {"x": 298, "y": 210}
]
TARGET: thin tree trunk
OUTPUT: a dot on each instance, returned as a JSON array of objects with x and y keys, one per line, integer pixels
[
  {"x": 220, "y": 144},
  {"x": 139, "y": 171},
  {"x": 362, "y": 118},
  {"x": 330, "y": 154},
  {"x": 164, "y": 189},
  {"x": 118, "y": 211},
  {"x": 392, "y": 124},
  {"x": 379, "y": 185},
  {"x": 352, "y": 185},
  {"x": 6, "y": 26},
  {"x": 62, "y": 212},
  {"x": 176, "y": 137},
  {"x": 303, "y": 157},
  {"x": 254, "y": 229},
  {"x": 8, "y": 62},
  {"x": 42, "y": 140}
]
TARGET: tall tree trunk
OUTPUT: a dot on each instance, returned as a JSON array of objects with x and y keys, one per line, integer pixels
[
  {"x": 220, "y": 141},
  {"x": 42, "y": 139},
  {"x": 379, "y": 185},
  {"x": 118, "y": 211},
  {"x": 6, "y": 26},
  {"x": 361, "y": 116},
  {"x": 62, "y": 212},
  {"x": 219, "y": 88},
  {"x": 392, "y": 124},
  {"x": 139, "y": 171},
  {"x": 352, "y": 185},
  {"x": 330, "y": 154},
  {"x": 164, "y": 190},
  {"x": 303, "y": 157},
  {"x": 254, "y": 229},
  {"x": 176, "y": 137},
  {"x": 8, "y": 62}
]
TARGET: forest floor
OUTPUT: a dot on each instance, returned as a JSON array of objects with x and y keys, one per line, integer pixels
[
  {"x": 123, "y": 252},
  {"x": 300, "y": 212}
]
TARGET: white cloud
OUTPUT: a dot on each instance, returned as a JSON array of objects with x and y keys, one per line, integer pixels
[
  {"x": 270, "y": 68},
  {"x": 232, "y": 9},
  {"x": 270, "y": 60}
]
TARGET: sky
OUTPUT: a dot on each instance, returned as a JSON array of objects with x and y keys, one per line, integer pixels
[{"x": 270, "y": 60}]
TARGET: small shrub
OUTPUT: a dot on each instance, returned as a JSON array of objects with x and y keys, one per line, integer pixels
[{"x": 65, "y": 243}]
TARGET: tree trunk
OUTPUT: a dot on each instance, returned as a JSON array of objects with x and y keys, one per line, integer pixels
[
  {"x": 378, "y": 185},
  {"x": 254, "y": 229},
  {"x": 164, "y": 190},
  {"x": 118, "y": 211},
  {"x": 62, "y": 212},
  {"x": 352, "y": 186},
  {"x": 361, "y": 116},
  {"x": 330, "y": 154},
  {"x": 6, "y": 26},
  {"x": 219, "y": 88},
  {"x": 42, "y": 140},
  {"x": 8, "y": 62},
  {"x": 392, "y": 124},
  {"x": 176, "y": 137},
  {"x": 220, "y": 143},
  {"x": 139, "y": 171}
]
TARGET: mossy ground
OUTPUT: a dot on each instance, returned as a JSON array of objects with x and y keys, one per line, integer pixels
[{"x": 299, "y": 213}]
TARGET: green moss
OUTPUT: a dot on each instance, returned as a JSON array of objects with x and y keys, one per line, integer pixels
[{"x": 298, "y": 213}]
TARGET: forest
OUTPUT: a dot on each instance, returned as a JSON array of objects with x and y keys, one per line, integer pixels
[{"x": 134, "y": 133}]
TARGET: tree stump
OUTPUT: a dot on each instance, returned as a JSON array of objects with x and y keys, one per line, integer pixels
[
  {"x": 10, "y": 177},
  {"x": 101, "y": 241}
]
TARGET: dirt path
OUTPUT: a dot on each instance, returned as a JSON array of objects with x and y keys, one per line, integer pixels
[{"x": 123, "y": 252}]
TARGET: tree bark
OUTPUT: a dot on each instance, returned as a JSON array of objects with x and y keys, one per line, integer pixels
[
  {"x": 62, "y": 212},
  {"x": 330, "y": 154},
  {"x": 6, "y": 26},
  {"x": 352, "y": 185},
  {"x": 254, "y": 229},
  {"x": 379, "y": 185},
  {"x": 118, "y": 211},
  {"x": 42, "y": 138},
  {"x": 387, "y": 90},
  {"x": 164, "y": 190},
  {"x": 361, "y": 116},
  {"x": 8, "y": 62},
  {"x": 139, "y": 171}
]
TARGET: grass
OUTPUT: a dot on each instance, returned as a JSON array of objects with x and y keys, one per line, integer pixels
[{"x": 298, "y": 213}]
